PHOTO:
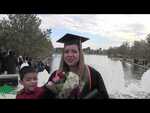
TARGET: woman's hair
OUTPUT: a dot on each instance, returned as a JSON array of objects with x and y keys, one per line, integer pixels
[{"x": 81, "y": 65}]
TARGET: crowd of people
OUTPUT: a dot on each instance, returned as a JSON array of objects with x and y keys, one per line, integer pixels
[{"x": 11, "y": 64}]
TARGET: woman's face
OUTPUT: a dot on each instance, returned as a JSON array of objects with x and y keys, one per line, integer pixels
[{"x": 71, "y": 55}]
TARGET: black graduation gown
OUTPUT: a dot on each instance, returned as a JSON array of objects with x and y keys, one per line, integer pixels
[{"x": 96, "y": 83}]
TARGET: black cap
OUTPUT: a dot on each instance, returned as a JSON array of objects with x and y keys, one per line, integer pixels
[{"x": 72, "y": 39}]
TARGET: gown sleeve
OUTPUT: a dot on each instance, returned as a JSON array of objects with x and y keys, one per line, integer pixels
[{"x": 98, "y": 84}]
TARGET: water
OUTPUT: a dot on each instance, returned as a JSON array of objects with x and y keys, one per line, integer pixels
[{"x": 122, "y": 80}]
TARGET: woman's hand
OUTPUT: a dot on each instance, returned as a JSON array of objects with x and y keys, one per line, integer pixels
[
  {"x": 56, "y": 79},
  {"x": 54, "y": 87}
]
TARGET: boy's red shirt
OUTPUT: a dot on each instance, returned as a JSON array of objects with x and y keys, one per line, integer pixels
[{"x": 36, "y": 94}]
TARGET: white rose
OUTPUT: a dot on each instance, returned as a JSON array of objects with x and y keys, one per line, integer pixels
[{"x": 72, "y": 81}]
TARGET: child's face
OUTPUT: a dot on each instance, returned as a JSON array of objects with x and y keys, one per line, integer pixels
[{"x": 29, "y": 81}]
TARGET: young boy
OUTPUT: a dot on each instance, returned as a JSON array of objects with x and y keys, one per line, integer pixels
[{"x": 28, "y": 78}]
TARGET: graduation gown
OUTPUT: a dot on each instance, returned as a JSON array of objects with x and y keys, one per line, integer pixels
[{"x": 96, "y": 83}]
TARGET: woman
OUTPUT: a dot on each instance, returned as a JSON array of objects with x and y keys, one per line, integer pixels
[{"x": 74, "y": 79}]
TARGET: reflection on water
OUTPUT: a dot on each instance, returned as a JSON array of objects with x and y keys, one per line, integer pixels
[{"x": 132, "y": 71}]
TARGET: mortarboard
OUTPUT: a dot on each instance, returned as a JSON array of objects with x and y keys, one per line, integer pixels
[{"x": 72, "y": 39}]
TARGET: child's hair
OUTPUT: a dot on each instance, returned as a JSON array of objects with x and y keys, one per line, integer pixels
[{"x": 25, "y": 70}]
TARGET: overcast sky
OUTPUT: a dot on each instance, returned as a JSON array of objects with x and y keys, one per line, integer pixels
[{"x": 103, "y": 30}]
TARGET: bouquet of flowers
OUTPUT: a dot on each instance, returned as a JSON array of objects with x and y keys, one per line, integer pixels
[
  {"x": 71, "y": 82},
  {"x": 64, "y": 84}
]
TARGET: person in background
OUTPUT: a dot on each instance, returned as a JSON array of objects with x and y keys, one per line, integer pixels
[
  {"x": 30, "y": 61},
  {"x": 4, "y": 62},
  {"x": 25, "y": 63},
  {"x": 40, "y": 66},
  {"x": 11, "y": 62},
  {"x": 20, "y": 62}
]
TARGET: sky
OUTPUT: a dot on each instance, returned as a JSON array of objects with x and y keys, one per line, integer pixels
[{"x": 103, "y": 30}]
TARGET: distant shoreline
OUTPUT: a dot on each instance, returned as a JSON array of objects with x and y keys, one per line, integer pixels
[{"x": 131, "y": 61}]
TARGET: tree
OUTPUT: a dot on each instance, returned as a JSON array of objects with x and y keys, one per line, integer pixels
[
  {"x": 124, "y": 49},
  {"x": 22, "y": 33},
  {"x": 148, "y": 38},
  {"x": 4, "y": 34},
  {"x": 139, "y": 49}
]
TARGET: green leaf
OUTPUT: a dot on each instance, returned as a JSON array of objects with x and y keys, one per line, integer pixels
[{"x": 6, "y": 89}]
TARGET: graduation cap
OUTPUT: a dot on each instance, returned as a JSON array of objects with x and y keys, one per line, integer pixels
[{"x": 72, "y": 39}]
